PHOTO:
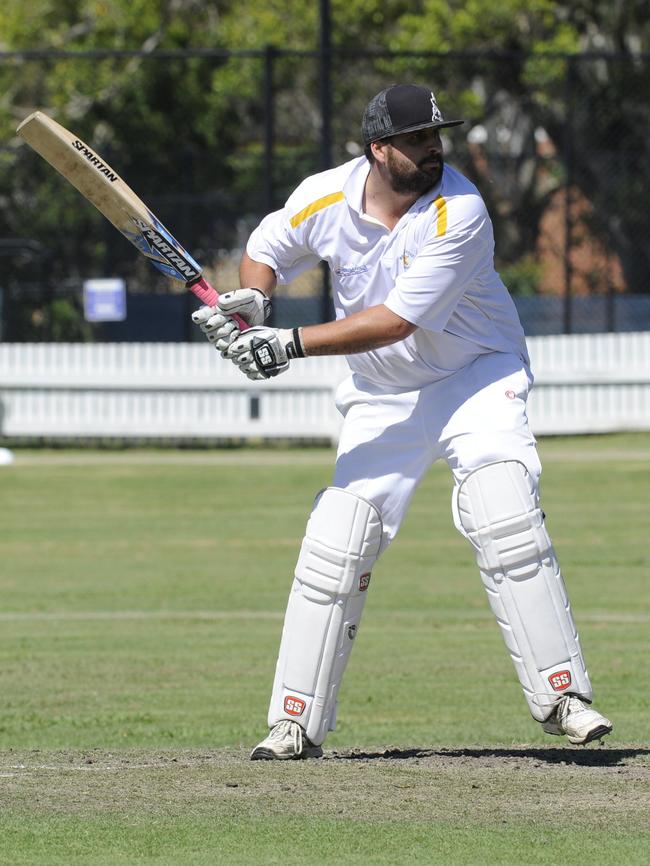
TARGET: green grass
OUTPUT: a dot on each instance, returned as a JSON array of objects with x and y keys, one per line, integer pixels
[
  {"x": 142, "y": 599},
  {"x": 277, "y": 842}
]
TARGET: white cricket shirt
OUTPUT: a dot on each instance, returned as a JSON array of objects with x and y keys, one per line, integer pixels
[{"x": 434, "y": 269}]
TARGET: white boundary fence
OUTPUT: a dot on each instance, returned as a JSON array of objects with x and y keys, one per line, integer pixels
[{"x": 585, "y": 383}]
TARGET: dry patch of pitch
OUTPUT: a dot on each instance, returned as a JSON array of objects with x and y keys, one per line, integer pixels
[{"x": 477, "y": 785}]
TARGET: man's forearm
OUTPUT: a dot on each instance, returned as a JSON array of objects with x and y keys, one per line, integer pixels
[
  {"x": 256, "y": 275},
  {"x": 361, "y": 332}
]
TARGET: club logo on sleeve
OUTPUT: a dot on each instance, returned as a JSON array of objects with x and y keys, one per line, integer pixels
[
  {"x": 560, "y": 680},
  {"x": 364, "y": 582},
  {"x": 350, "y": 270},
  {"x": 294, "y": 706}
]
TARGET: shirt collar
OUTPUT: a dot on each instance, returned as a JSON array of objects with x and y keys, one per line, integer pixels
[{"x": 355, "y": 184}]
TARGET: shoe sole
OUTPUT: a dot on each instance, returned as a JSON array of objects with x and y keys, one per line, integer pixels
[
  {"x": 263, "y": 754},
  {"x": 596, "y": 734}
]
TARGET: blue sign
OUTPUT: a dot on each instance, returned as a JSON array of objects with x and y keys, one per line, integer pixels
[{"x": 105, "y": 300}]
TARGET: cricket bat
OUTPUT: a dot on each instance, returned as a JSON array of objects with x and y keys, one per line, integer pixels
[{"x": 102, "y": 186}]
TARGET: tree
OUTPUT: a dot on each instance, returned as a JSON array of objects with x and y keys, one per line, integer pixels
[{"x": 189, "y": 131}]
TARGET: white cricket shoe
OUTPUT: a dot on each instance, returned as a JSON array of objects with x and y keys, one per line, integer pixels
[
  {"x": 575, "y": 718},
  {"x": 287, "y": 741}
]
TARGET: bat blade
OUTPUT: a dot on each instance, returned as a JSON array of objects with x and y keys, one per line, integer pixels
[{"x": 114, "y": 198}]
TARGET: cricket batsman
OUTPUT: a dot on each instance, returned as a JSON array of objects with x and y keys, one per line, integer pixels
[{"x": 439, "y": 370}]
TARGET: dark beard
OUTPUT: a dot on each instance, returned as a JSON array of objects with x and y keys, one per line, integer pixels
[{"x": 413, "y": 180}]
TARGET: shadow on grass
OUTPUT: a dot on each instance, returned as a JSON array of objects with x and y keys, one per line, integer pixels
[{"x": 587, "y": 757}]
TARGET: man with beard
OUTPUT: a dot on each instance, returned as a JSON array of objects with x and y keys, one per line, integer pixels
[{"x": 439, "y": 370}]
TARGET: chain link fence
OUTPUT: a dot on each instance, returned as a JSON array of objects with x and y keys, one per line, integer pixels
[{"x": 214, "y": 140}]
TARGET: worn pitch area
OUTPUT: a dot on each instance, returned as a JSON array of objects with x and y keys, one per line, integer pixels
[{"x": 475, "y": 785}]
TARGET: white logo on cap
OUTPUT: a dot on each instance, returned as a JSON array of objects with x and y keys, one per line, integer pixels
[{"x": 435, "y": 111}]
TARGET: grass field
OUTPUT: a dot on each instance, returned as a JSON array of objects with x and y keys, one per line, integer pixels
[{"x": 142, "y": 599}]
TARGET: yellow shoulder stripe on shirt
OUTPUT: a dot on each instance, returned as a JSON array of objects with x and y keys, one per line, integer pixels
[
  {"x": 314, "y": 207},
  {"x": 441, "y": 207}
]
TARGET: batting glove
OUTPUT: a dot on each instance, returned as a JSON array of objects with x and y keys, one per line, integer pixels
[
  {"x": 217, "y": 323},
  {"x": 261, "y": 353}
]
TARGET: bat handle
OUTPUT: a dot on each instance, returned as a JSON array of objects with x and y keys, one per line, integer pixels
[{"x": 206, "y": 293}]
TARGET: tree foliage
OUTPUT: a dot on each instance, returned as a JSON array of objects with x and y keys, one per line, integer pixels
[{"x": 189, "y": 132}]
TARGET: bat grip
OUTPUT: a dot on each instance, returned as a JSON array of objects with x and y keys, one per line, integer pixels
[{"x": 206, "y": 293}]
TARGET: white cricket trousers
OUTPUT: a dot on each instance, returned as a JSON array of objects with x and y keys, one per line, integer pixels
[{"x": 390, "y": 438}]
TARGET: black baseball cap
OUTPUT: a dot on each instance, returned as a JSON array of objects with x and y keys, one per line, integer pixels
[{"x": 402, "y": 108}]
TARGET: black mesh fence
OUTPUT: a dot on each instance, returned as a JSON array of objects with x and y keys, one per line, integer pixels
[{"x": 212, "y": 141}]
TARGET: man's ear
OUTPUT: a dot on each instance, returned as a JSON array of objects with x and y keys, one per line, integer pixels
[{"x": 379, "y": 149}]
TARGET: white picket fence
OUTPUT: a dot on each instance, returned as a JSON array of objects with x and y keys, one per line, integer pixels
[{"x": 584, "y": 383}]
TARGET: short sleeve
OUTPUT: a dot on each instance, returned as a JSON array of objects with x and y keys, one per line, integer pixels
[{"x": 442, "y": 271}]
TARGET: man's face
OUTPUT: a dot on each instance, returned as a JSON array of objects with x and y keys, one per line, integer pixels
[{"x": 414, "y": 160}]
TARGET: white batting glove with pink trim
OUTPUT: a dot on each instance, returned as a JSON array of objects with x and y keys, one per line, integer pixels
[{"x": 217, "y": 323}]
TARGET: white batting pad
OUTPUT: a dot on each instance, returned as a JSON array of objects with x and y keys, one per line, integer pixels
[
  {"x": 326, "y": 601},
  {"x": 496, "y": 507}
]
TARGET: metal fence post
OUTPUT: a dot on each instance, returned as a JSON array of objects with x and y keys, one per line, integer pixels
[
  {"x": 568, "y": 169},
  {"x": 325, "y": 85},
  {"x": 269, "y": 127},
  {"x": 326, "y": 128}
]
